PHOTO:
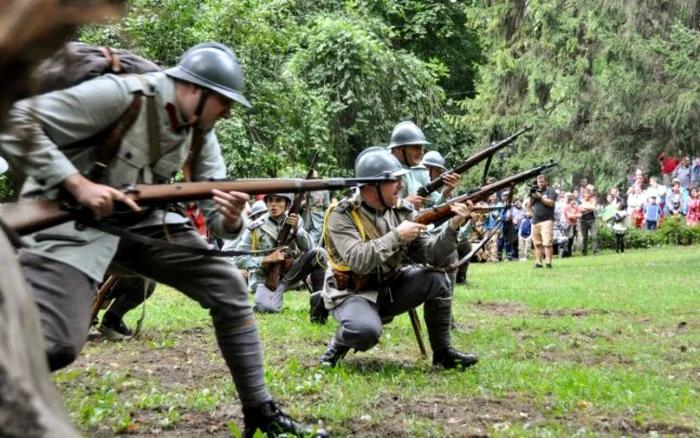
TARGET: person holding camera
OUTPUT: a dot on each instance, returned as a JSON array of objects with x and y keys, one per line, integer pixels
[{"x": 541, "y": 201}]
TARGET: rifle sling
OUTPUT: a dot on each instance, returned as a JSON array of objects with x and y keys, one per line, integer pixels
[{"x": 158, "y": 243}]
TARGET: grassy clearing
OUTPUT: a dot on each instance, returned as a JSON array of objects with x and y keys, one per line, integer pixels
[{"x": 604, "y": 345}]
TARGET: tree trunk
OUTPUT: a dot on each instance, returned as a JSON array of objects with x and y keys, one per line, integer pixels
[{"x": 29, "y": 405}]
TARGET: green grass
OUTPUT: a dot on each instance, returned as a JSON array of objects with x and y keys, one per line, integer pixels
[{"x": 604, "y": 345}]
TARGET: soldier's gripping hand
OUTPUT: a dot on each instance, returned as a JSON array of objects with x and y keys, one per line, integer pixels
[
  {"x": 293, "y": 220},
  {"x": 97, "y": 197},
  {"x": 408, "y": 231},
  {"x": 274, "y": 257},
  {"x": 462, "y": 214},
  {"x": 231, "y": 206},
  {"x": 451, "y": 182},
  {"x": 416, "y": 200}
]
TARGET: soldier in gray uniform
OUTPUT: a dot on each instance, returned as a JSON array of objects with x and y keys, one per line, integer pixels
[
  {"x": 315, "y": 205},
  {"x": 368, "y": 240},
  {"x": 304, "y": 258},
  {"x": 52, "y": 139},
  {"x": 406, "y": 144}
]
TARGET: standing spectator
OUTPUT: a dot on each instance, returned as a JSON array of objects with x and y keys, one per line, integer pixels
[
  {"x": 620, "y": 228},
  {"x": 636, "y": 199},
  {"x": 619, "y": 199},
  {"x": 683, "y": 173},
  {"x": 607, "y": 214},
  {"x": 587, "y": 210},
  {"x": 491, "y": 246},
  {"x": 668, "y": 165},
  {"x": 652, "y": 214},
  {"x": 695, "y": 172},
  {"x": 525, "y": 236},
  {"x": 656, "y": 189},
  {"x": 693, "y": 208},
  {"x": 581, "y": 190},
  {"x": 570, "y": 216},
  {"x": 517, "y": 215},
  {"x": 542, "y": 202},
  {"x": 675, "y": 210}
]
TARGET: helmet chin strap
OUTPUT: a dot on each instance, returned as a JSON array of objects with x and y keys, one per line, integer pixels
[
  {"x": 200, "y": 107},
  {"x": 381, "y": 197},
  {"x": 405, "y": 158}
]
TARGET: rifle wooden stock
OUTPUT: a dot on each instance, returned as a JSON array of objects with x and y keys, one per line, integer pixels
[
  {"x": 443, "y": 211},
  {"x": 471, "y": 162},
  {"x": 274, "y": 270},
  {"x": 29, "y": 216}
]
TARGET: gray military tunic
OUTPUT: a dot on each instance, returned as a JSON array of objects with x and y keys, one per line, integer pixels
[
  {"x": 60, "y": 119},
  {"x": 416, "y": 178},
  {"x": 360, "y": 313}
]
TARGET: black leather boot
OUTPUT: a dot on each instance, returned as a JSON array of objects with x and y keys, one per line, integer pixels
[
  {"x": 317, "y": 309},
  {"x": 450, "y": 358},
  {"x": 114, "y": 328},
  {"x": 334, "y": 352},
  {"x": 272, "y": 421}
]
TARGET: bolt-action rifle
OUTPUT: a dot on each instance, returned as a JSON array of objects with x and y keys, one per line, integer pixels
[
  {"x": 443, "y": 212},
  {"x": 29, "y": 216},
  {"x": 274, "y": 270},
  {"x": 471, "y": 162}
]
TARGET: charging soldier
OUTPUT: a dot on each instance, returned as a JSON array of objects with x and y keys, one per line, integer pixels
[
  {"x": 300, "y": 257},
  {"x": 64, "y": 263},
  {"x": 368, "y": 238}
]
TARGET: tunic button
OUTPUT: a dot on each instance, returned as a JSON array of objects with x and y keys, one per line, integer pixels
[{"x": 128, "y": 155}]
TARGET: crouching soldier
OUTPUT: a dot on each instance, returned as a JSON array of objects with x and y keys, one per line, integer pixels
[
  {"x": 368, "y": 239},
  {"x": 298, "y": 256}
]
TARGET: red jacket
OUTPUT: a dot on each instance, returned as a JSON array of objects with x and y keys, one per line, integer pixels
[{"x": 668, "y": 164}]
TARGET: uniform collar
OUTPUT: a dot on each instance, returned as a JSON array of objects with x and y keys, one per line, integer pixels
[{"x": 169, "y": 103}]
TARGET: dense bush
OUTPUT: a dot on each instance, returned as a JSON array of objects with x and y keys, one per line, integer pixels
[{"x": 672, "y": 231}]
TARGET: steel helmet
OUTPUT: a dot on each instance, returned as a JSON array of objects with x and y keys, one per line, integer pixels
[
  {"x": 376, "y": 162},
  {"x": 434, "y": 159},
  {"x": 407, "y": 133},
  {"x": 212, "y": 66},
  {"x": 286, "y": 196},
  {"x": 258, "y": 208}
]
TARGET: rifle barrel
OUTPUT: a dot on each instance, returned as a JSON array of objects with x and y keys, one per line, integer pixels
[{"x": 472, "y": 161}]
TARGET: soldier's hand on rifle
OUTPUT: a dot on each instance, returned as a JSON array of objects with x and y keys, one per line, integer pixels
[
  {"x": 408, "y": 231},
  {"x": 451, "y": 182},
  {"x": 97, "y": 197},
  {"x": 274, "y": 257},
  {"x": 462, "y": 214},
  {"x": 231, "y": 206},
  {"x": 416, "y": 200},
  {"x": 293, "y": 220}
]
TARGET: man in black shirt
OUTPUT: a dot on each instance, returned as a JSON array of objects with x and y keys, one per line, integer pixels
[{"x": 542, "y": 202}]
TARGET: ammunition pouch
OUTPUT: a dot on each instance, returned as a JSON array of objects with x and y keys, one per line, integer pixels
[{"x": 359, "y": 282}]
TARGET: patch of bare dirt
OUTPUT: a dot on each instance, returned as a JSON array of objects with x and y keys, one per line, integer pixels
[
  {"x": 500, "y": 309},
  {"x": 575, "y": 313}
]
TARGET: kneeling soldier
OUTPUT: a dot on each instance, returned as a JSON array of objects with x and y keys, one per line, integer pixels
[
  {"x": 368, "y": 239},
  {"x": 299, "y": 256}
]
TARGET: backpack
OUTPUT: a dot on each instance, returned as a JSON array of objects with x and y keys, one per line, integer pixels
[{"x": 79, "y": 62}]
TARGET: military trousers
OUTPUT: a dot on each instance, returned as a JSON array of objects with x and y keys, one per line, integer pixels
[
  {"x": 361, "y": 320},
  {"x": 64, "y": 296},
  {"x": 312, "y": 262}
]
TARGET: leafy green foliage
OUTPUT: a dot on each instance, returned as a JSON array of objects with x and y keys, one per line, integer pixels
[{"x": 608, "y": 85}]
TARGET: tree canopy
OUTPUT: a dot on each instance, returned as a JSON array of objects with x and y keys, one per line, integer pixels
[{"x": 607, "y": 84}]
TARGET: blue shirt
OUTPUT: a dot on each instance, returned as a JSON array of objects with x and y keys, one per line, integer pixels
[
  {"x": 652, "y": 212},
  {"x": 525, "y": 228}
]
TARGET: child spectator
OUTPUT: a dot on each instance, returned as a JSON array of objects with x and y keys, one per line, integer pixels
[
  {"x": 676, "y": 210},
  {"x": 620, "y": 228},
  {"x": 570, "y": 216},
  {"x": 525, "y": 236},
  {"x": 652, "y": 214},
  {"x": 693, "y": 208},
  {"x": 637, "y": 217}
]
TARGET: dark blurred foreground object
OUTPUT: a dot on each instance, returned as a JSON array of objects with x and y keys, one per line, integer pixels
[{"x": 30, "y": 31}]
